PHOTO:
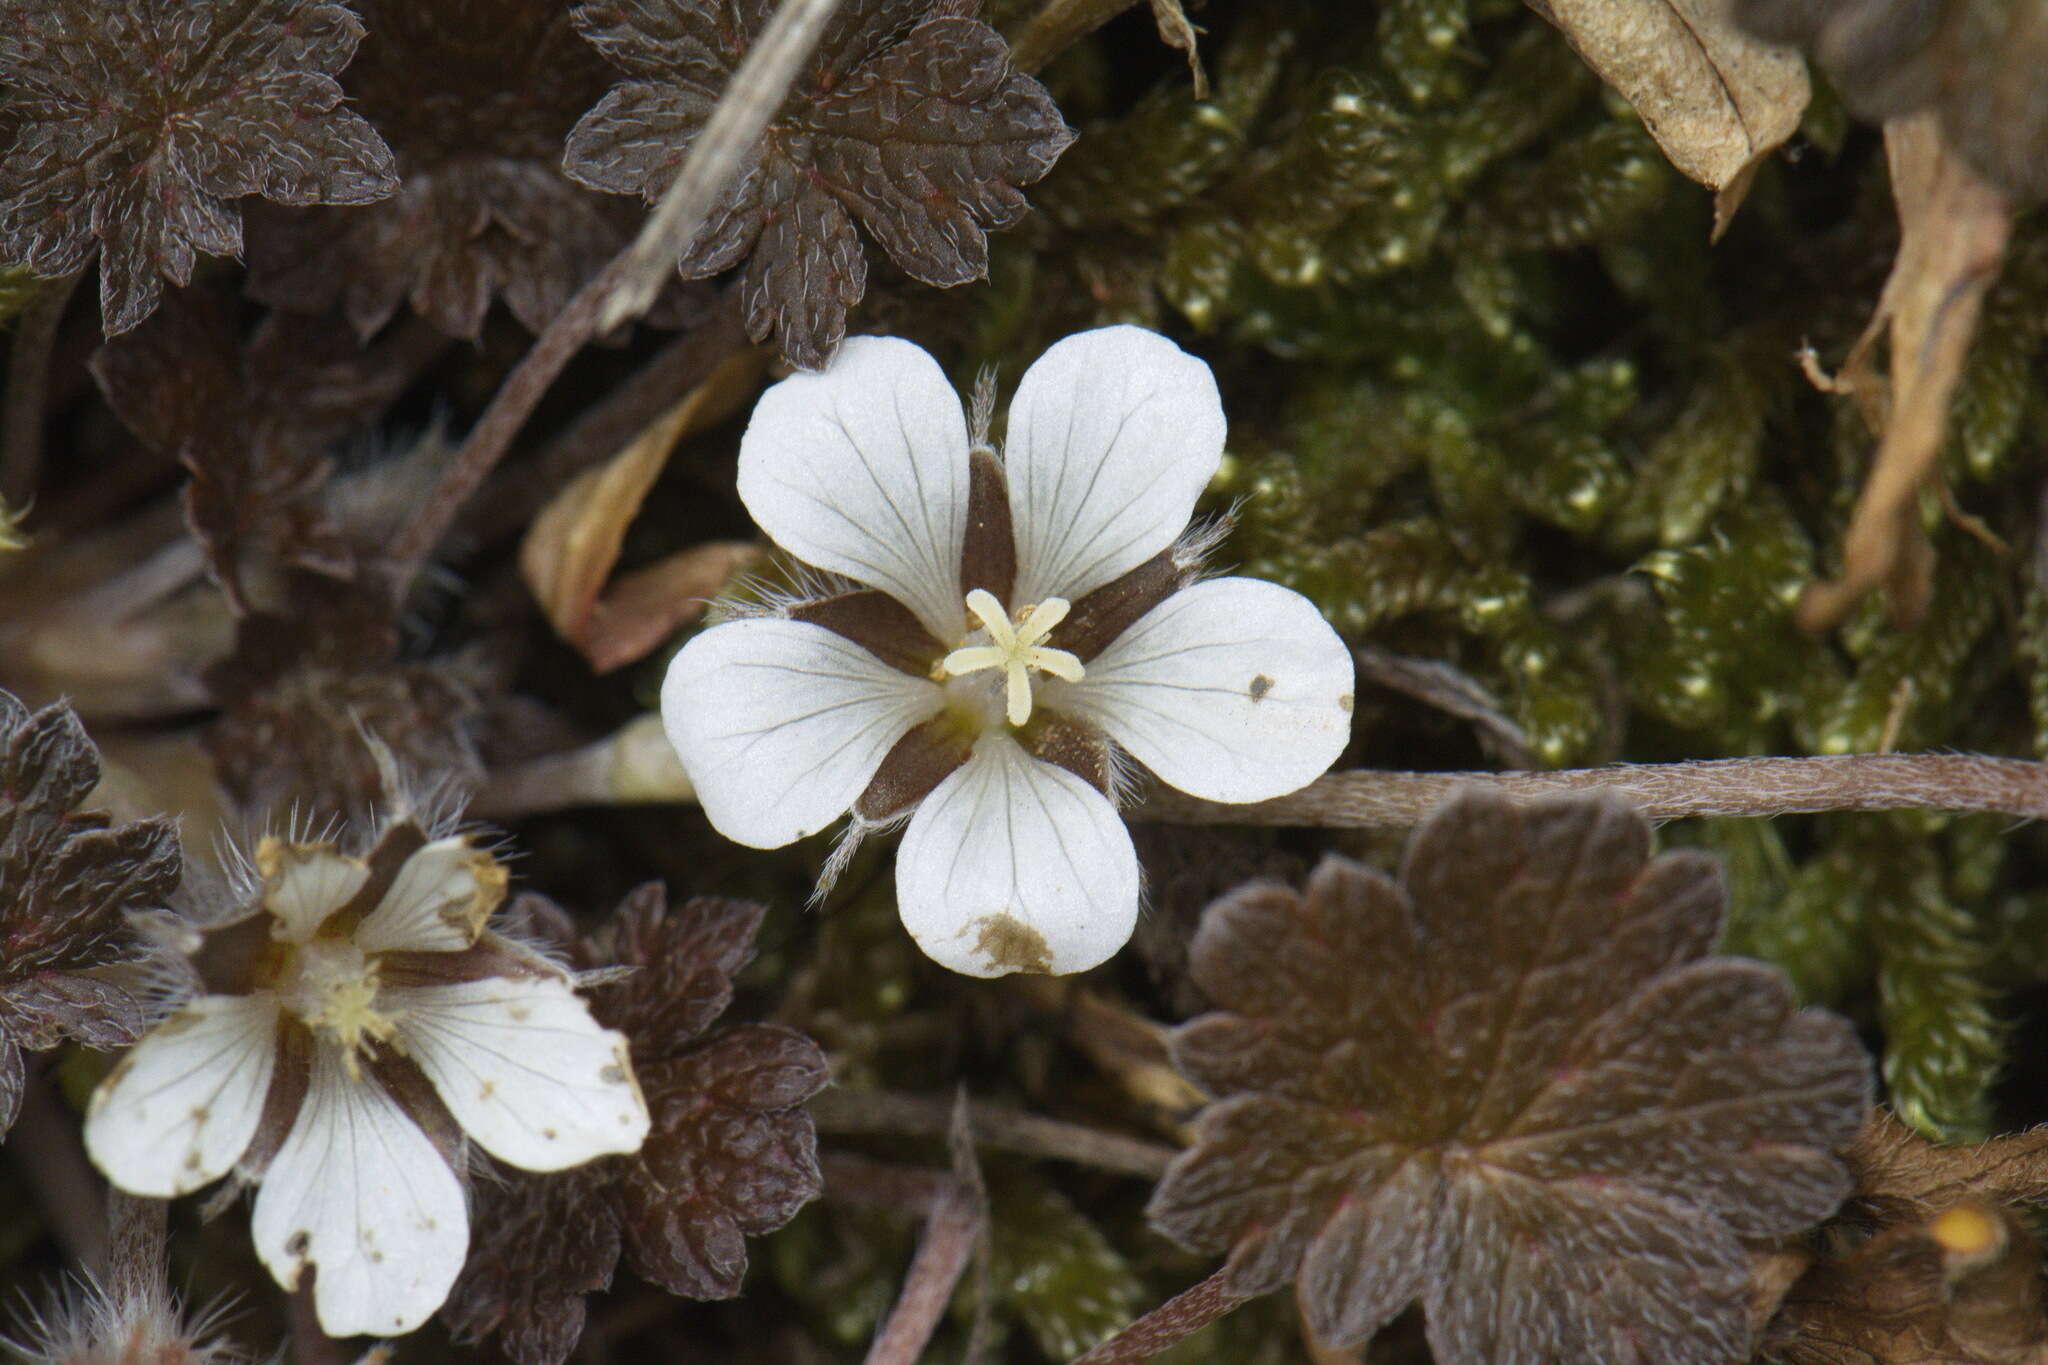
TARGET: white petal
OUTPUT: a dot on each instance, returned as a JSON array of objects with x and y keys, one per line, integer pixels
[
  {"x": 861, "y": 468},
  {"x": 1113, "y": 435},
  {"x": 437, "y": 903},
  {"x": 1231, "y": 690},
  {"x": 1016, "y": 865},
  {"x": 359, "y": 1192},
  {"x": 305, "y": 883},
  {"x": 524, "y": 1068},
  {"x": 780, "y": 725},
  {"x": 180, "y": 1108}
]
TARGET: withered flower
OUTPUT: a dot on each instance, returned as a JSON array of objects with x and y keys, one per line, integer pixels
[
  {"x": 908, "y": 118},
  {"x": 350, "y": 1029},
  {"x": 1510, "y": 1085}
]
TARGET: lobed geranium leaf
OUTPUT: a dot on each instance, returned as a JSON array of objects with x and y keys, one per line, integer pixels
[
  {"x": 732, "y": 1152},
  {"x": 67, "y": 882},
  {"x": 909, "y": 119},
  {"x": 1512, "y": 1086},
  {"x": 137, "y": 124},
  {"x": 475, "y": 97}
]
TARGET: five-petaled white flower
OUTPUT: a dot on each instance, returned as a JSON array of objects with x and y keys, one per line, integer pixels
[
  {"x": 350, "y": 1031},
  {"x": 1018, "y": 625}
]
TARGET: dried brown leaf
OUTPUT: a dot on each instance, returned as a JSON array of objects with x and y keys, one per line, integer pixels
[
  {"x": 134, "y": 126},
  {"x": 570, "y": 549},
  {"x": 1953, "y": 229},
  {"x": 1717, "y": 100},
  {"x": 1510, "y": 1085}
]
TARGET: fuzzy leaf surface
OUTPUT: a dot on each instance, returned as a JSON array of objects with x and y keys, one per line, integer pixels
[
  {"x": 732, "y": 1154},
  {"x": 1510, "y": 1085},
  {"x": 67, "y": 879},
  {"x": 135, "y": 125},
  {"x": 908, "y": 119}
]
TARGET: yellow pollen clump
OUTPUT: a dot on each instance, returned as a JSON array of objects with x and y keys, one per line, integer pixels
[
  {"x": 1015, "y": 649},
  {"x": 333, "y": 987}
]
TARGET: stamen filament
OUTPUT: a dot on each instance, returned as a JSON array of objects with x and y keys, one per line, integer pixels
[{"x": 1015, "y": 649}]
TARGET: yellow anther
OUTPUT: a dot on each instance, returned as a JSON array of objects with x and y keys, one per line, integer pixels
[{"x": 1015, "y": 649}]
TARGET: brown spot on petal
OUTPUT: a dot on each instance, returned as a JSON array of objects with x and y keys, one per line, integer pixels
[
  {"x": 877, "y": 623},
  {"x": 1261, "y": 685},
  {"x": 1009, "y": 943},
  {"x": 1097, "y": 619},
  {"x": 1344, "y": 703}
]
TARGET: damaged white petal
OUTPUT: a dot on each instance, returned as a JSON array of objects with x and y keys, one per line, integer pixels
[
  {"x": 525, "y": 1070},
  {"x": 1013, "y": 865},
  {"x": 359, "y": 1191},
  {"x": 305, "y": 883},
  {"x": 437, "y": 903},
  {"x": 181, "y": 1107}
]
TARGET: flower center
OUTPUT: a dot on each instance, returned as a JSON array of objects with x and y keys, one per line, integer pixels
[
  {"x": 1014, "y": 648},
  {"x": 333, "y": 987}
]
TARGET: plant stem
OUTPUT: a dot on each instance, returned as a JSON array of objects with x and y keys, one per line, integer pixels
[
  {"x": 488, "y": 440},
  {"x": 881, "y": 1111},
  {"x": 1180, "y": 1317},
  {"x": 605, "y": 428},
  {"x": 1370, "y": 799},
  {"x": 950, "y": 1234},
  {"x": 28, "y": 384}
]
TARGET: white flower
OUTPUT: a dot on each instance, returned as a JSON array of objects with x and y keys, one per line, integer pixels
[
  {"x": 351, "y": 1031},
  {"x": 1028, "y": 623}
]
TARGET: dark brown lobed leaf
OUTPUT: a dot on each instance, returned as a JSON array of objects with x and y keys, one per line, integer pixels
[
  {"x": 137, "y": 124},
  {"x": 1510, "y": 1085},
  {"x": 475, "y": 97},
  {"x": 687, "y": 957},
  {"x": 732, "y": 1152},
  {"x": 67, "y": 883},
  {"x": 909, "y": 119},
  {"x": 546, "y": 1240}
]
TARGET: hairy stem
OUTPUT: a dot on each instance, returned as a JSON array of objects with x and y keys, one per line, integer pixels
[
  {"x": 871, "y": 1111},
  {"x": 28, "y": 383},
  {"x": 489, "y": 439},
  {"x": 950, "y": 1234},
  {"x": 1368, "y": 799},
  {"x": 1180, "y": 1317}
]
